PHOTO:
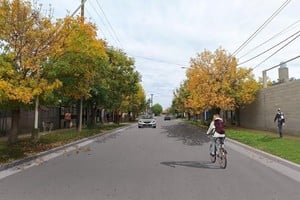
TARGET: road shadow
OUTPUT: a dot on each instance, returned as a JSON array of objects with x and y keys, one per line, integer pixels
[
  {"x": 193, "y": 164},
  {"x": 188, "y": 134},
  {"x": 109, "y": 136}
]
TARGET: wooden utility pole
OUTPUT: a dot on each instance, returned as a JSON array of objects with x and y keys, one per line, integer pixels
[
  {"x": 82, "y": 8},
  {"x": 81, "y": 99}
]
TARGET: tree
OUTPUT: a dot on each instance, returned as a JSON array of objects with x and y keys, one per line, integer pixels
[
  {"x": 122, "y": 81},
  {"x": 157, "y": 109},
  {"x": 135, "y": 103},
  {"x": 180, "y": 99},
  {"x": 26, "y": 40},
  {"x": 215, "y": 82},
  {"x": 98, "y": 100},
  {"x": 79, "y": 63}
]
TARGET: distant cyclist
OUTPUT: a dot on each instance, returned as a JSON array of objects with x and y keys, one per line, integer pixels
[{"x": 217, "y": 130}]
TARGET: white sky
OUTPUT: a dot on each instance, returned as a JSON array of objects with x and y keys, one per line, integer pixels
[{"x": 170, "y": 32}]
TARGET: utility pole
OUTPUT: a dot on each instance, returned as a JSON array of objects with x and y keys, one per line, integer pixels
[
  {"x": 81, "y": 99},
  {"x": 82, "y": 7},
  {"x": 151, "y": 100}
]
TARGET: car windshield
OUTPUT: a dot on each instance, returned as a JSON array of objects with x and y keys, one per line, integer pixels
[{"x": 147, "y": 117}]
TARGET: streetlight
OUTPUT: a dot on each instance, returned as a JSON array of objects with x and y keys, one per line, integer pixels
[{"x": 151, "y": 100}]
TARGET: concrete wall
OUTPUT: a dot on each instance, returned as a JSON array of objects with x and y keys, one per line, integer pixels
[{"x": 260, "y": 114}]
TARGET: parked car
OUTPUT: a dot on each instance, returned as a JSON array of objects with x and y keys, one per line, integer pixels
[
  {"x": 147, "y": 121},
  {"x": 167, "y": 117}
]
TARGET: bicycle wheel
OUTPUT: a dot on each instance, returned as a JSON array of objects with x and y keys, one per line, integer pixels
[
  {"x": 222, "y": 158},
  {"x": 212, "y": 157}
]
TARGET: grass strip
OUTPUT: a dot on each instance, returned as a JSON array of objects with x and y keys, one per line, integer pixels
[{"x": 287, "y": 147}]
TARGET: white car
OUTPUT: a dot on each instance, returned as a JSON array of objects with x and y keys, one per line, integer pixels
[{"x": 147, "y": 121}]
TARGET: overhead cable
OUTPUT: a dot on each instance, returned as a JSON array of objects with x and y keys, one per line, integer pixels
[
  {"x": 273, "y": 37},
  {"x": 111, "y": 27},
  {"x": 157, "y": 60},
  {"x": 107, "y": 31},
  {"x": 277, "y": 51},
  {"x": 293, "y": 35},
  {"x": 101, "y": 30},
  {"x": 261, "y": 27},
  {"x": 294, "y": 58}
]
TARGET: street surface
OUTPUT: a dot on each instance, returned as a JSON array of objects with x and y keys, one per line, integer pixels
[{"x": 170, "y": 162}]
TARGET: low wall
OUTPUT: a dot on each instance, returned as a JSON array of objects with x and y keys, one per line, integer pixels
[{"x": 260, "y": 114}]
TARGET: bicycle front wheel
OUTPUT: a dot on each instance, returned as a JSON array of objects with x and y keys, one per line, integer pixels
[{"x": 222, "y": 158}]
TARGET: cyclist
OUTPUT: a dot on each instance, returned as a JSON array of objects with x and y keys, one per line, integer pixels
[{"x": 216, "y": 129}]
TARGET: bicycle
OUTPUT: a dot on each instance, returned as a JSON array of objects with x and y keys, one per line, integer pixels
[{"x": 220, "y": 153}]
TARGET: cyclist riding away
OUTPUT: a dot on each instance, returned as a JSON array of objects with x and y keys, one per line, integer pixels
[{"x": 217, "y": 130}]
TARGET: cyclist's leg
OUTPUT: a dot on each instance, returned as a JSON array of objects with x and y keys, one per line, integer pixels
[
  {"x": 213, "y": 146},
  {"x": 222, "y": 140}
]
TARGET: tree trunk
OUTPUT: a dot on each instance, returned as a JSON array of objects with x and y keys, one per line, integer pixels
[
  {"x": 102, "y": 116},
  {"x": 189, "y": 116},
  {"x": 116, "y": 118},
  {"x": 35, "y": 132},
  {"x": 80, "y": 116},
  {"x": 238, "y": 121},
  {"x": 92, "y": 116},
  {"x": 13, "y": 133}
]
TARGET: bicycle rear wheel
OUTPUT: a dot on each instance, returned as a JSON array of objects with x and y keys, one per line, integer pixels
[{"x": 222, "y": 158}]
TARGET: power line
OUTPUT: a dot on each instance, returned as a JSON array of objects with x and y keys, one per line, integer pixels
[
  {"x": 262, "y": 27},
  {"x": 277, "y": 51},
  {"x": 102, "y": 28},
  {"x": 271, "y": 48},
  {"x": 114, "y": 36},
  {"x": 294, "y": 58},
  {"x": 103, "y": 18},
  {"x": 111, "y": 27},
  {"x": 273, "y": 37},
  {"x": 107, "y": 30},
  {"x": 157, "y": 60}
]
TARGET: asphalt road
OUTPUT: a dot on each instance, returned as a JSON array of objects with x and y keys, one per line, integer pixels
[{"x": 170, "y": 162}]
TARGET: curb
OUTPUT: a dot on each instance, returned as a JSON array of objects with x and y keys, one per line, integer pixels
[{"x": 44, "y": 153}]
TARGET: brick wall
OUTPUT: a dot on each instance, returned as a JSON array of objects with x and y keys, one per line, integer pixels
[{"x": 260, "y": 114}]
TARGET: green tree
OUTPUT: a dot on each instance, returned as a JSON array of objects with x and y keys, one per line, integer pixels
[
  {"x": 157, "y": 109},
  {"x": 122, "y": 81},
  {"x": 180, "y": 100},
  {"x": 79, "y": 63}
]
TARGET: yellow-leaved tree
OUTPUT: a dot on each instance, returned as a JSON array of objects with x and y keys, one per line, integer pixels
[
  {"x": 134, "y": 103},
  {"x": 215, "y": 82},
  {"x": 27, "y": 38}
]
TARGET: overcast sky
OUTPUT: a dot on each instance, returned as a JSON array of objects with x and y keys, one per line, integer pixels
[{"x": 162, "y": 35}]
